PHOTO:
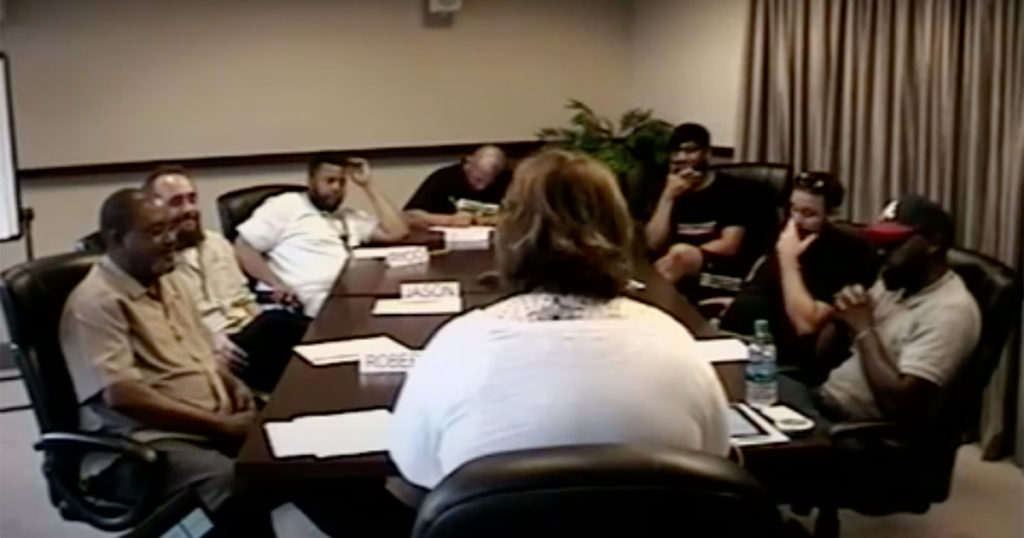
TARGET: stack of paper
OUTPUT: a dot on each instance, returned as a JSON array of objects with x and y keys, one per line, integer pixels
[
  {"x": 374, "y": 253},
  {"x": 466, "y": 238},
  {"x": 396, "y": 307},
  {"x": 351, "y": 350},
  {"x": 324, "y": 436},
  {"x": 722, "y": 350}
]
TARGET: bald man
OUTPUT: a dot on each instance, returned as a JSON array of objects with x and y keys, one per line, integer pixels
[
  {"x": 461, "y": 194},
  {"x": 254, "y": 343}
]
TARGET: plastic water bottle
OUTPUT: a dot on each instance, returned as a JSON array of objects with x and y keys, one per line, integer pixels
[{"x": 762, "y": 375}]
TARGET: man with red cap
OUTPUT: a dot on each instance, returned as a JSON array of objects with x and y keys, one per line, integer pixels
[{"x": 912, "y": 329}]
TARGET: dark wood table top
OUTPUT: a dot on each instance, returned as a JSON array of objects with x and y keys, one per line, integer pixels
[{"x": 305, "y": 390}]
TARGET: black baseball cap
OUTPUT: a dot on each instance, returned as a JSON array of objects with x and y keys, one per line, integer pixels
[{"x": 910, "y": 215}]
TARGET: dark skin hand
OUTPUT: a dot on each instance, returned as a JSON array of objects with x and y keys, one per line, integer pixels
[{"x": 901, "y": 397}]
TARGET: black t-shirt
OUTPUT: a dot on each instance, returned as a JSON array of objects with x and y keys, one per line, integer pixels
[
  {"x": 700, "y": 216},
  {"x": 445, "y": 186},
  {"x": 834, "y": 260}
]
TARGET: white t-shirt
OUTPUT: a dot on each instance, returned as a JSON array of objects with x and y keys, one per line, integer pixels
[
  {"x": 303, "y": 244},
  {"x": 928, "y": 335},
  {"x": 540, "y": 370}
]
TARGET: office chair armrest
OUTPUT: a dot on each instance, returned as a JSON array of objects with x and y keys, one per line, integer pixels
[
  {"x": 871, "y": 432},
  {"x": 95, "y": 442},
  {"x": 71, "y": 493}
]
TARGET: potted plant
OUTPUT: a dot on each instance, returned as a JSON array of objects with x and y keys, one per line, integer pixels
[{"x": 636, "y": 148}]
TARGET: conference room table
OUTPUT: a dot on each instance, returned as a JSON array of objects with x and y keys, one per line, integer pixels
[{"x": 311, "y": 390}]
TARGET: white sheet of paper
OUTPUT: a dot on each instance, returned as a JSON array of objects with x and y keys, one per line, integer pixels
[
  {"x": 373, "y": 253},
  {"x": 722, "y": 350},
  {"x": 339, "y": 434},
  {"x": 346, "y": 434},
  {"x": 285, "y": 439},
  {"x": 349, "y": 350},
  {"x": 393, "y": 307},
  {"x": 467, "y": 234},
  {"x": 421, "y": 291}
]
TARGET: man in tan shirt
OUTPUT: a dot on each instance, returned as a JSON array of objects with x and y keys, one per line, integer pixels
[
  {"x": 142, "y": 361},
  {"x": 254, "y": 343}
]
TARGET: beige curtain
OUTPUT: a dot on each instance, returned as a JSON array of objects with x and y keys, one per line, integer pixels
[{"x": 900, "y": 96}]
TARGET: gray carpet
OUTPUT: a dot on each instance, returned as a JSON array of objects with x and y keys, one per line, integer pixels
[{"x": 985, "y": 503}]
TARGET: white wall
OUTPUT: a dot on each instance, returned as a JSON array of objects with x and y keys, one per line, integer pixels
[
  {"x": 122, "y": 80},
  {"x": 681, "y": 57},
  {"x": 686, "y": 61},
  {"x": 68, "y": 208}
]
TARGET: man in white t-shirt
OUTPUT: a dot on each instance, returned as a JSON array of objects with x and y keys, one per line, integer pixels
[
  {"x": 297, "y": 243},
  {"x": 912, "y": 329}
]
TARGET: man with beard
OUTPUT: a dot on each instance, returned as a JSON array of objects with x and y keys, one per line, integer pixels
[
  {"x": 912, "y": 329},
  {"x": 143, "y": 365},
  {"x": 306, "y": 236},
  {"x": 255, "y": 344}
]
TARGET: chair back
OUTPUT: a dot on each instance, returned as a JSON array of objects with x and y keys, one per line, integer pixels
[
  {"x": 997, "y": 290},
  {"x": 33, "y": 296},
  {"x": 91, "y": 244},
  {"x": 598, "y": 491},
  {"x": 235, "y": 207},
  {"x": 775, "y": 177}
]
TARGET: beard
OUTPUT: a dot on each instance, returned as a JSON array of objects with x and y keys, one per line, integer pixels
[
  {"x": 328, "y": 205},
  {"x": 189, "y": 236},
  {"x": 906, "y": 276}
]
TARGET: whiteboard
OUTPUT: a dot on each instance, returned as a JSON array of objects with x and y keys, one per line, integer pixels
[{"x": 10, "y": 201}]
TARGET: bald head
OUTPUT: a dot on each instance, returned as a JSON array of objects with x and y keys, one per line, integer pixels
[{"x": 484, "y": 166}]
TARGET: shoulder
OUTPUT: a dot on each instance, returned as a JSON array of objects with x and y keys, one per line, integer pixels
[
  {"x": 92, "y": 297},
  {"x": 213, "y": 239},
  {"x": 285, "y": 202},
  {"x": 953, "y": 303}
]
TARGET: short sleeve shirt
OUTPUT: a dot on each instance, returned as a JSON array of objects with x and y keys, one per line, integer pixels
[
  {"x": 541, "y": 370},
  {"x": 306, "y": 247},
  {"x": 221, "y": 292},
  {"x": 446, "y": 186},
  {"x": 927, "y": 334},
  {"x": 113, "y": 329},
  {"x": 700, "y": 216}
]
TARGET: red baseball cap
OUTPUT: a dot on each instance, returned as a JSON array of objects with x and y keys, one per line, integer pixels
[{"x": 910, "y": 215}]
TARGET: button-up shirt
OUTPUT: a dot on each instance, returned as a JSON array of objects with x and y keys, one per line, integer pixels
[
  {"x": 114, "y": 329},
  {"x": 211, "y": 274}
]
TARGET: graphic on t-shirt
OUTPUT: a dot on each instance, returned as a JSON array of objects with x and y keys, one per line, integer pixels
[{"x": 696, "y": 229}]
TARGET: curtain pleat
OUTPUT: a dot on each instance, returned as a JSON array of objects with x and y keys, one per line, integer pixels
[{"x": 896, "y": 97}]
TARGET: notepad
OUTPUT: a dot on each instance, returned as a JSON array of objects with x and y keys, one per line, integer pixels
[
  {"x": 722, "y": 350},
  {"x": 349, "y": 350},
  {"x": 748, "y": 428},
  {"x": 398, "y": 307},
  {"x": 467, "y": 238},
  {"x": 324, "y": 436},
  {"x": 374, "y": 253}
]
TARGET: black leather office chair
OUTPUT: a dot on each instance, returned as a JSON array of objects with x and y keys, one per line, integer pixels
[
  {"x": 773, "y": 177},
  {"x": 33, "y": 296},
  {"x": 91, "y": 244},
  {"x": 887, "y": 469},
  {"x": 235, "y": 207},
  {"x": 598, "y": 491},
  {"x": 767, "y": 185}
]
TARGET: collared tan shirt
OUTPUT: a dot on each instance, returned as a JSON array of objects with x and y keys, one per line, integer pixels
[
  {"x": 114, "y": 329},
  {"x": 211, "y": 274}
]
